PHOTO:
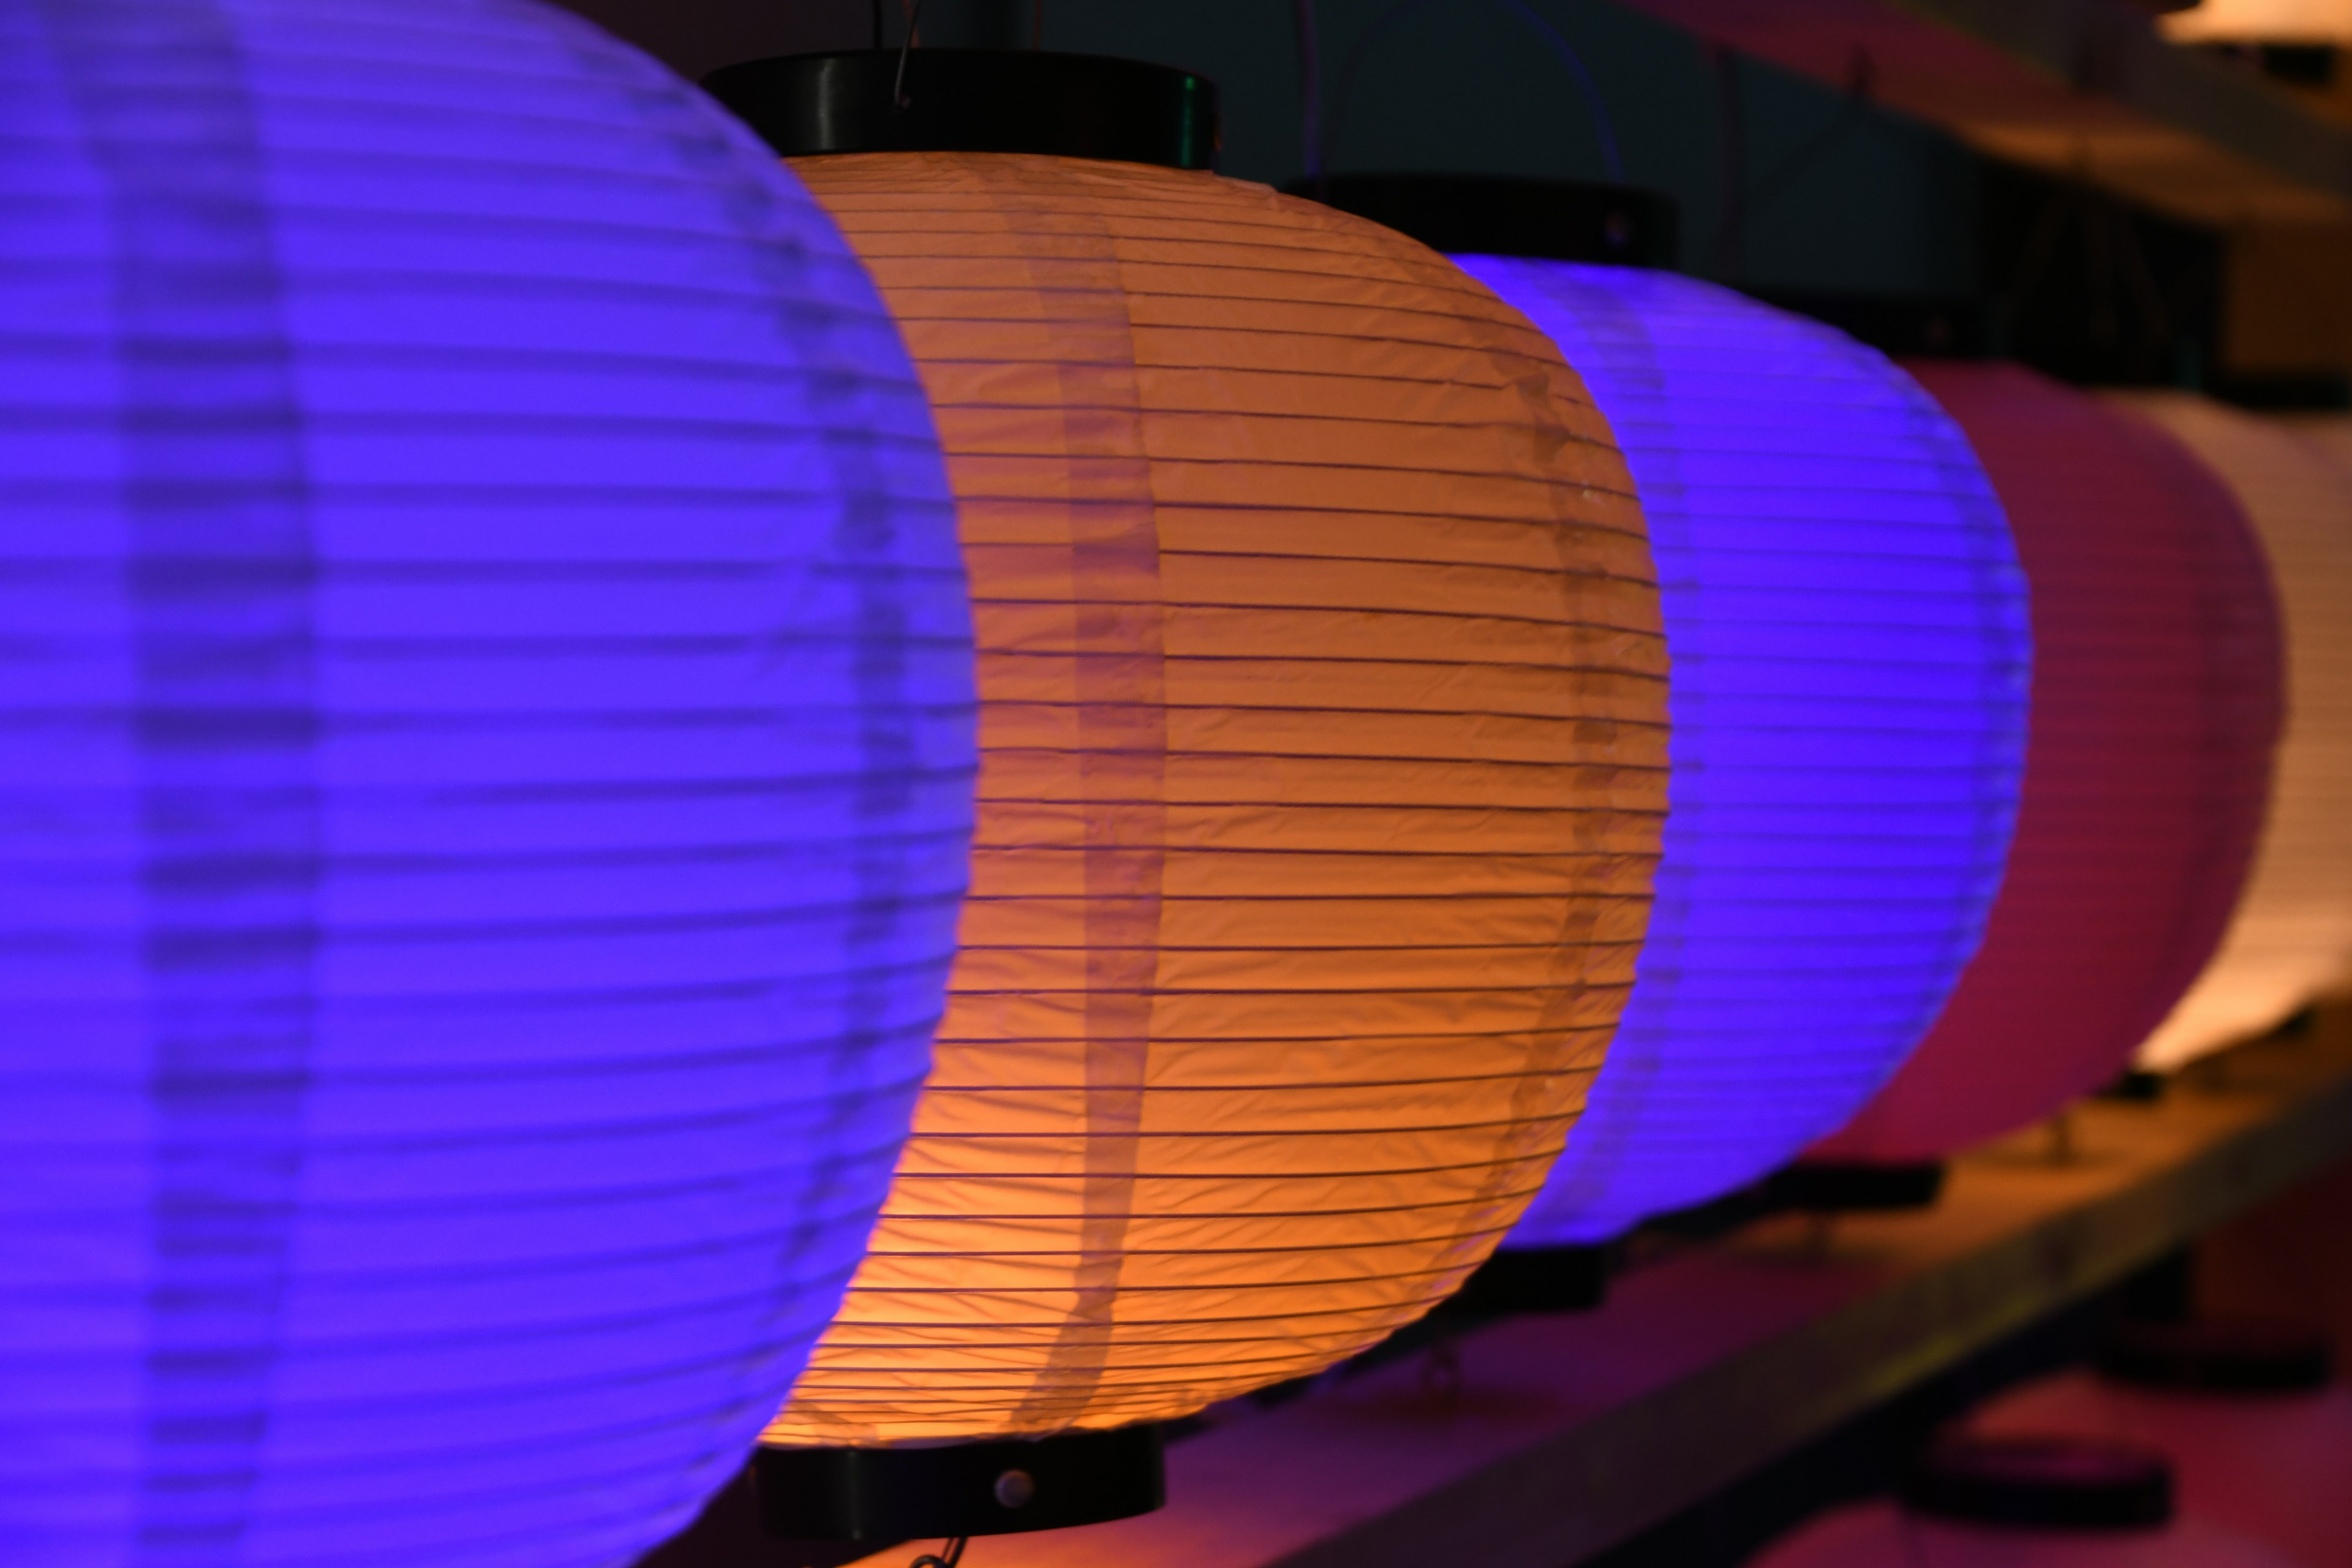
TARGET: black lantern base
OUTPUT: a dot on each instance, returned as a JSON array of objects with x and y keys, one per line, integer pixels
[
  {"x": 2136, "y": 1085},
  {"x": 884, "y": 1495},
  {"x": 1828, "y": 1186},
  {"x": 2047, "y": 1483},
  {"x": 2221, "y": 1356},
  {"x": 1539, "y": 1280},
  {"x": 974, "y": 101}
]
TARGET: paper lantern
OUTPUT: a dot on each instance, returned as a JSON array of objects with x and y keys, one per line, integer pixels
[
  {"x": 2289, "y": 940},
  {"x": 2261, "y": 1439},
  {"x": 2025, "y": 1500},
  {"x": 1880, "y": 1535},
  {"x": 486, "y": 734},
  {"x": 1848, "y": 630},
  {"x": 1322, "y": 762},
  {"x": 2155, "y": 713},
  {"x": 2305, "y": 22}
]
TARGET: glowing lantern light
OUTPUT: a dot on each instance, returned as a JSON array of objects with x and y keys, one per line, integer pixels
[
  {"x": 1323, "y": 758},
  {"x": 2155, "y": 712},
  {"x": 1848, "y": 630},
  {"x": 486, "y": 726},
  {"x": 2289, "y": 940},
  {"x": 2262, "y": 21}
]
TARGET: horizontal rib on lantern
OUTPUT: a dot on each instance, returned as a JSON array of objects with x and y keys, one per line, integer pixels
[
  {"x": 1323, "y": 754},
  {"x": 2156, "y": 709},
  {"x": 2290, "y": 939},
  {"x": 1847, "y": 625}
]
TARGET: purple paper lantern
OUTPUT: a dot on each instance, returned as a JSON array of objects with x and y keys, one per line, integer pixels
[
  {"x": 1847, "y": 625},
  {"x": 485, "y": 766}
]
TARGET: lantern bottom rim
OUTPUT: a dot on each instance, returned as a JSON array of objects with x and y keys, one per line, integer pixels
[
  {"x": 948, "y": 1489},
  {"x": 1859, "y": 1186},
  {"x": 1570, "y": 1277}
]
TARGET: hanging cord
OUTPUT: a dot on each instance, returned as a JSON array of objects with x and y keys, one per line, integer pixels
[
  {"x": 1037, "y": 26},
  {"x": 898, "y": 99},
  {"x": 947, "y": 1556},
  {"x": 875, "y": 6},
  {"x": 1573, "y": 63},
  {"x": 1310, "y": 91}
]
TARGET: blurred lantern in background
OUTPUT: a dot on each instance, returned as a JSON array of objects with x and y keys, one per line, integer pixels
[
  {"x": 2259, "y": 1431},
  {"x": 486, "y": 726},
  {"x": 1847, "y": 625},
  {"x": 2290, "y": 939},
  {"x": 2155, "y": 715},
  {"x": 1323, "y": 760},
  {"x": 2026, "y": 1501}
]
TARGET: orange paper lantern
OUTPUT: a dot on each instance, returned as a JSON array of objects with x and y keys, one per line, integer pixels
[
  {"x": 2290, "y": 942},
  {"x": 1323, "y": 763}
]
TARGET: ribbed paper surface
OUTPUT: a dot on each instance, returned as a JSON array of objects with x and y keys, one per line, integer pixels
[
  {"x": 2156, "y": 710},
  {"x": 1848, "y": 630},
  {"x": 1323, "y": 749},
  {"x": 485, "y": 764},
  {"x": 2289, "y": 940}
]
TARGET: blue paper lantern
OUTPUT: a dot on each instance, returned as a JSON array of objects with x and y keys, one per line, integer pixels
[
  {"x": 485, "y": 767},
  {"x": 1846, "y": 621}
]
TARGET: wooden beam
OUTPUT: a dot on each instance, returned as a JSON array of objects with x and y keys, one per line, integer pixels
[{"x": 2083, "y": 87}]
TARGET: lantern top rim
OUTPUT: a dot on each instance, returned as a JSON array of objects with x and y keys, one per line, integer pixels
[
  {"x": 1510, "y": 214},
  {"x": 974, "y": 101}
]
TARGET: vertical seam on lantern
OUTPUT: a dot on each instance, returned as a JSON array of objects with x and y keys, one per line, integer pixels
[
  {"x": 1119, "y": 671},
  {"x": 1553, "y": 1042},
  {"x": 1590, "y": 1169},
  {"x": 222, "y": 573},
  {"x": 866, "y": 543}
]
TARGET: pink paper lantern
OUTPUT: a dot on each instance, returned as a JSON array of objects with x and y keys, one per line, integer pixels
[{"x": 2156, "y": 707}]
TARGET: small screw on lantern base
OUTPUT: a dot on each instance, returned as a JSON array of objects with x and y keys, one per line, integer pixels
[
  {"x": 951, "y": 1489},
  {"x": 1836, "y": 1187}
]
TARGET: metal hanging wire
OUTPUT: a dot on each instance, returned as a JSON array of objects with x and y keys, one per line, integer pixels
[
  {"x": 947, "y": 1556},
  {"x": 898, "y": 99}
]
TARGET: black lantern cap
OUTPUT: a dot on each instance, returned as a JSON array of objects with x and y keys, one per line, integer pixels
[
  {"x": 884, "y": 1495},
  {"x": 974, "y": 101},
  {"x": 2051, "y": 1483},
  {"x": 1501, "y": 215}
]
